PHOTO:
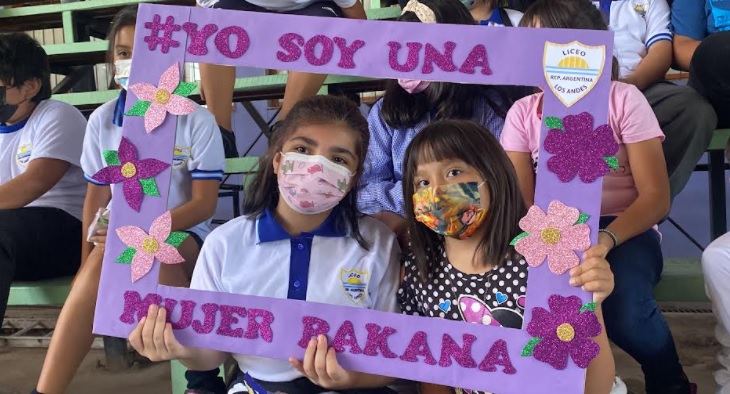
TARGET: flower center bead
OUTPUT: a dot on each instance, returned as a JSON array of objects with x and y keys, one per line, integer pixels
[
  {"x": 565, "y": 332},
  {"x": 550, "y": 235},
  {"x": 150, "y": 245},
  {"x": 129, "y": 170},
  {"x": 162, "y": 96}
]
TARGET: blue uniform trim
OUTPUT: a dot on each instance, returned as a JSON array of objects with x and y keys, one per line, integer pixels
[
  {"x": 119, "y": 109},
  {"x": 658, "y": 37},
  {"x": 4, "y": 129},
  {"x": 91, "y": 180}
]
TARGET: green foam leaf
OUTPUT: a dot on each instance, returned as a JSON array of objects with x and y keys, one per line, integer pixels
[
  {"x": 517, "y": 238},
  {"x": 530, "y": 346},
  {"x": 111, "y": 157},
  {"x": 612, "y": 161},
  {"x": 553, "y": 122},
  {"x": 176, "y": 238},
  {"x": 139, "y": 108},
  {"x": 591, "y": 306},
  {"x": 126, "y": 256},
  {"x": 149, "y": 187},
  {"x": 582, "y": 218},
  {"x": 184, "y": 89}
]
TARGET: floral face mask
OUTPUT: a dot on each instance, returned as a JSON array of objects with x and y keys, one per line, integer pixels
[{"x": 452, "y": 210}]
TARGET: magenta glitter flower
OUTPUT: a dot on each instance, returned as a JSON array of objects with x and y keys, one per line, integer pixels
[
  {"x": 554, "y": 236},
  {"x": 137, "y": 175},
  {"x": 578, "y": 149},
  {"x": 142, "y": 248},
  {"x": 156, "y": 101},
  {"x": 566, "y": 330}
]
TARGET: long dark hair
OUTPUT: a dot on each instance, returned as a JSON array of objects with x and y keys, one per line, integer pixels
[
  {"x": 263, "y": 192},
  {"x": 127, "y": 16},
  {"x": 567, "y": 14},
  {"x": 478, "y": 148},
  {"x": 445, "y": 100}
]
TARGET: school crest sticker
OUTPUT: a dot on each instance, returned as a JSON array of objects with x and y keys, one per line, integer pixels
[
  {"x": 180, "y": 156},
  {"x": 572, "y": 70},
  {"x": 354, "y": 283},
  {"x": 23, "y": 154}
]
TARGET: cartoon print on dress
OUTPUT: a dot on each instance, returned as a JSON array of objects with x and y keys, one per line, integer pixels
[{"x": 474, "y": 310}]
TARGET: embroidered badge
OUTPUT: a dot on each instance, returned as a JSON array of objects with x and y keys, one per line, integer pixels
[
  {"x": 354, "y": 283},
  {"x": 23, "y": 154},
  {"x": 572, "y": 70},
  {"x": 180, "y": 156}
]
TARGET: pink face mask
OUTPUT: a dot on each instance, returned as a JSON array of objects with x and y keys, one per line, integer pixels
[
  {"x": 413, "y": 86},
  {"x": 312, "y": 184}
]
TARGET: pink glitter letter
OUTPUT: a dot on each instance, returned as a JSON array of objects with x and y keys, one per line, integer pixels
[
  {"x": 378, "y": 340},
  {"x": 287, "y": 43},
  {"x": 198, "y": 38},
  {"x": 418, "y": 347},
  {"x": 477, "y": 58},
  {"x": 224, "y": 46},
  {"x": 462, "y": 355},
  {"x": 133, "y": 304},
  {"x": 228, "y": 318},
  {"x": 498, "y": 355},
  {"x": 206, "y": 325},
  {"x": 444, "y": 61},
  {"x": 186, "y": 315},
  {"x": 254, "y": 326},
  {"x": 347, "y": 53},
  {"x": 345, "y": 336},
  {"x": 328, "y": 48},
  {"x": 313, "y": 326},
  {"x": 414, "y": 48}
]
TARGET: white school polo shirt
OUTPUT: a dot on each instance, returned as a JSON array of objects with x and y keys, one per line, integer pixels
[
  {"x": 257, "y": 257},
  {"x": 637, "y": 25},
  {"x": 198, "y": 152},
  {"x": 54, "y": 130}
]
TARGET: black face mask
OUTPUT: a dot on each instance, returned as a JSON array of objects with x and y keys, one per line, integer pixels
[{"x": 6, "y": 110}]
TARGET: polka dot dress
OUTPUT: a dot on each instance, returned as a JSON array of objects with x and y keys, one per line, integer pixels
[{"x": 495, "y": 298}]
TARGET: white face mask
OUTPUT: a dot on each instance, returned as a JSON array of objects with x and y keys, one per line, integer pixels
[{"x": 122, "y": 69}]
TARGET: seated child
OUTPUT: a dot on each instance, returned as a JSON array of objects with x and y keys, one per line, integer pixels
[
  {"x": 300, "y": 231},
  {"x": 456, "y": 265},
  {"x": 635, "y": 197},
  {"x": 41, "y": 182},
  {"x": 196, "y": 174},
  {"x": 410, "y": 105}
]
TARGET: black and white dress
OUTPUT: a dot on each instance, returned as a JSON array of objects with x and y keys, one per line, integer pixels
[{"x": 496, "y": 297}]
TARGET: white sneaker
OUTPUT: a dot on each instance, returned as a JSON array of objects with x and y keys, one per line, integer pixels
[{"x": 619, "y": 387}]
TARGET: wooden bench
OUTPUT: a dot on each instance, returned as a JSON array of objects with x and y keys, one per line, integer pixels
[{"x": 715, "y": 168}]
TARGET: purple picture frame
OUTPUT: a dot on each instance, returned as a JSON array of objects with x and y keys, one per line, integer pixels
[{"x": 238, "y": 323}]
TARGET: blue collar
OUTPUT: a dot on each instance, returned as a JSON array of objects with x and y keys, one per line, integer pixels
[
  {"x": 269, "y": 229},
  {"x": 4, "y": 129},
  {"x": 119, "y": 109},
  {"x": 494, "y": 19}
]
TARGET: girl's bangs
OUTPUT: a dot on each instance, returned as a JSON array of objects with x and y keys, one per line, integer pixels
[{"x": 437, "y": 147}]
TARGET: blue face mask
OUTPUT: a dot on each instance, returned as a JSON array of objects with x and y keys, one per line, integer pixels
[{"x": 468, "y": 3}]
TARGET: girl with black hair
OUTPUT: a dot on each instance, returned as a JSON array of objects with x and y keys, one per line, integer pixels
[
  {"x": 408, "y": 106},
  {"x": 301, "y": 238}
]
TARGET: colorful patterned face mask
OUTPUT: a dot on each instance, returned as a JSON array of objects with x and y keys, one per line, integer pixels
[
  {"x": 452, "y": 210},
  {"x": 312, "y": 184}
]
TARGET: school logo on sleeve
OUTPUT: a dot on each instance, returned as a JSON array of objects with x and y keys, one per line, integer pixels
[
  {"x": 23, "y": 155},
  {"x": 180, "y": 156},
  {"x": 354, "y": 283},
  {"x": 572, "y": 70}
]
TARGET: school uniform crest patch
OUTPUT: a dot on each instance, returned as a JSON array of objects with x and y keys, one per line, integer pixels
[
  {"x": 572, "y": 70},
  {"x": 354, "y": 283},
  {"x": 23, "y": 154},
  {"x": 180, "y": 156}
]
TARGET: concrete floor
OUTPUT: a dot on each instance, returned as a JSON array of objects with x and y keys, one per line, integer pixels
[{"x": 20, "y": 367}]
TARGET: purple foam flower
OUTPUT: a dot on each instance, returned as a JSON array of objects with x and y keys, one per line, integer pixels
[
  {"x": 564, "y": 331},
  {"x": 136, "y": 175},
  {"x": 580, "y": 150}
]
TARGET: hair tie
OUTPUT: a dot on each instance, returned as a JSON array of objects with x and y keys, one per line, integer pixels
[{"x": 423, "y": 13}]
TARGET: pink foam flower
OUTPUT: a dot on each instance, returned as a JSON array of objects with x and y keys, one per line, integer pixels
[
  {"x": 555, "y": 236},
  {"x": 163, "y": 98},
  {"x": 144, "y": 248}
]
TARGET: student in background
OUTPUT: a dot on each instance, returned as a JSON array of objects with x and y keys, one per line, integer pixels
[
  {"x": 196, "y": 172},
  {"x": 643, "y": 47},
  {"x": 41, "y": 182},
  {"x": 217, "y": 81}
]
